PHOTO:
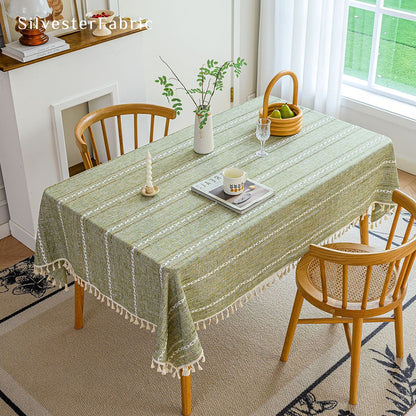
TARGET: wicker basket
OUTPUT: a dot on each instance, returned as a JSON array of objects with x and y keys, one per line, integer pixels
[{"x": 285, "y": 126}]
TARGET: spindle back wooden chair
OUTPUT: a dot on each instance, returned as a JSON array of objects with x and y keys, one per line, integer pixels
[
  {"x": 117, "y": 111},
  {"x": 356, "y": 283}
]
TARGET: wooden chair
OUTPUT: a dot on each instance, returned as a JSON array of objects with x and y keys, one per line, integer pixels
[
  {"x": 116, "y": 111},
  {"x": 356, "y": 283}
]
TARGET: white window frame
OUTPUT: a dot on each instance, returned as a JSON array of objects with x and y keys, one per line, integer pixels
[{"x": 370, "y": 85}]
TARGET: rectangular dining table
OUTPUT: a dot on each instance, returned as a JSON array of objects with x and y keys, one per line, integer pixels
[{"x": 177, "y": 262}]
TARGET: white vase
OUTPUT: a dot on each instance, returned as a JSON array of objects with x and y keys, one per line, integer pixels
[{"x": 203, "y": 138}]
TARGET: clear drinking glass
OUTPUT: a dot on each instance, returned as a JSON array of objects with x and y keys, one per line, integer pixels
[{"x": 262, "y": 133}]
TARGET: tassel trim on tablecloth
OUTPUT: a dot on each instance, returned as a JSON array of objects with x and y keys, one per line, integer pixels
[
  {"x": 64, "y": 263},
  {"x": 185, "y": 370}
]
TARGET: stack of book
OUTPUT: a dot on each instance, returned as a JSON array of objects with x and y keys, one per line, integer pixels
[{"x": 25, "y": 53}]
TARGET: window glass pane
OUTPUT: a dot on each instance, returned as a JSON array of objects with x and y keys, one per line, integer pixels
[
  {"x": 359, "y": 41},
  {"x": 405, "y": 5},
  {"x": 369, "y": 1},
  {"x": 396, "y": 66}
]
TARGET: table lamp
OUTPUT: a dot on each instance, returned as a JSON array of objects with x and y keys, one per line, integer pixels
[{"x": 30, "y": 26}]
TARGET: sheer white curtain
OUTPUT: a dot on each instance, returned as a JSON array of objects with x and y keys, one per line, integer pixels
[{"x": 307, "y": 37}]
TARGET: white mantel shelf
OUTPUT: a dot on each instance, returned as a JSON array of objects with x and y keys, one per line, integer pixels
[{"x": 78, "y": 40}]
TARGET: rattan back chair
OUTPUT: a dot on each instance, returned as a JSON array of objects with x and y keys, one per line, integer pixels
[{"x": 356, "y": 283}]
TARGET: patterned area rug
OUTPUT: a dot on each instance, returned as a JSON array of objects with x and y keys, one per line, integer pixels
[
  {"x": 48, "y": 368},
  {"x": 21, "y": 289}
]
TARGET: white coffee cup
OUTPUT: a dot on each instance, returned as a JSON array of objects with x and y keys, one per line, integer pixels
[{"x": 234, "y": 180}]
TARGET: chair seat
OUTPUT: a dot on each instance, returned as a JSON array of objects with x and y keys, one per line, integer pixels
[{"x": 356, "y": 276}]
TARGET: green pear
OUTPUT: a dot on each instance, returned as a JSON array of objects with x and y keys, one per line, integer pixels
[
  {"x": 275, "y": 114},
  {"x": 286, "y": 112}
]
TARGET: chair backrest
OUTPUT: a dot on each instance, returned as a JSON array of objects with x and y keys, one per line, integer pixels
[
  {"x": 398, "y": 260},
  {"x": 116, "y": 111}
]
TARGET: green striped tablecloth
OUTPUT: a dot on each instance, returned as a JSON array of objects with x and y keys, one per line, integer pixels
[{"x": 177, "y": 261}]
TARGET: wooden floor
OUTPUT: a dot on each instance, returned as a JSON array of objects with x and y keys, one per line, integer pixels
[{"x": 12, "y": 251}]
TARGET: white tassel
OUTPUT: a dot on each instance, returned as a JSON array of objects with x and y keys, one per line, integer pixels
[
  {"x": 142, "y": 325},
  {"x": 148, "y": 326},
  {"x": 131, "y": 319},
  {"x": 216, "y": 319},
  {"x": 197, "y": 326},
  {"x": 152, "y": 365},
  {"x": 126, "y": 316},
  {"x": 199, "y": 366},
  {"x": 136, "y": 322},
  {"x": 154, "y": 328},
  {"x": 66, "y": 288},
  {"x": 204, "y": 325}
]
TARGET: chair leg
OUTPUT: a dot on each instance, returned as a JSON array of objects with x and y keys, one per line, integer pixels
[
  {"x": 348, "y": 335},
  {"x": 297, "y": 306},
  {"x": 186, "y": 394},
  {"x": 357, "y": 327},
  {"x": 364, "y": 229},
  {"x": 398, "y": 328},
  {"x": 79, "y": 306}
]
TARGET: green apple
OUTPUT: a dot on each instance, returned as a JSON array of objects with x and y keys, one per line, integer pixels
[
  {"x": 275, "y": 114},
  {"x": 286, "y": 112}
]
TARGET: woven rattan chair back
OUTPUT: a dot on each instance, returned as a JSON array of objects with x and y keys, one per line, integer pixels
[
  {"x": 116, "y": 111},
  {"x": 357, "y": 283},
  {"x": 371, "y": 278}
]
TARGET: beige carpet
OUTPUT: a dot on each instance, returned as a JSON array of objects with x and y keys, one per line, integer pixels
[{"x": 48, "y": 368}]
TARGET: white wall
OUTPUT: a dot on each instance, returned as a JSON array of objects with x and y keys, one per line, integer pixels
[
  {"x": 4, "y": 211},
  {"x": 185, "y": 33},
  {"x": 400, "y": 129},
  {"x": 249, "y": 39}
]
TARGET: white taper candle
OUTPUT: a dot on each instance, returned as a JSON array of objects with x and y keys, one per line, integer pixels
[{"x": 149, "y": 183}]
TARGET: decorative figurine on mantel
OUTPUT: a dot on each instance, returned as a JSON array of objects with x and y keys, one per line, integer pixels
[{"x": 149, "y": 189}]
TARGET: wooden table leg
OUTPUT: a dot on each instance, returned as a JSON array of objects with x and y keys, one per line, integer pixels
[
  {"x": 186, "y": 394},
  {"x": 364, "y": 229},
  {"x": 79, "y": 306}
]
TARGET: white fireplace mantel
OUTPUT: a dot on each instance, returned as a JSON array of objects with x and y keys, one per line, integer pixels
[{"x": 29, "y": 155}]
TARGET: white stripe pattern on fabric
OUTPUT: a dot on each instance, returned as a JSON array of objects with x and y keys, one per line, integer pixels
[
  {"x": 63, "y": 227},
  {"x": 311, "y": 209},
  {"x": 309, "y": 179},
  {"x": 302, "y": 244}
]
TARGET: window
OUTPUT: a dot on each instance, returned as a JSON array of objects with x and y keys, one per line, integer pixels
[{"x": 380, "y": 53}]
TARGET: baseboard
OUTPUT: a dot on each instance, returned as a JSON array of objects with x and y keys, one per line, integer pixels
[
  {"x": 406, "y": 164},
  {"x": 4, "y": 230},
  {"x": 22, "y": 235}
]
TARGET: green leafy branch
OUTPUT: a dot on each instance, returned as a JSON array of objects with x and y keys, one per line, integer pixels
[{"x": 210, "y": 79}]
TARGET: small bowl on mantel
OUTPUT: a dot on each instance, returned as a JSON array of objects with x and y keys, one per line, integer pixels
[{"x": 101, "y": 18}]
